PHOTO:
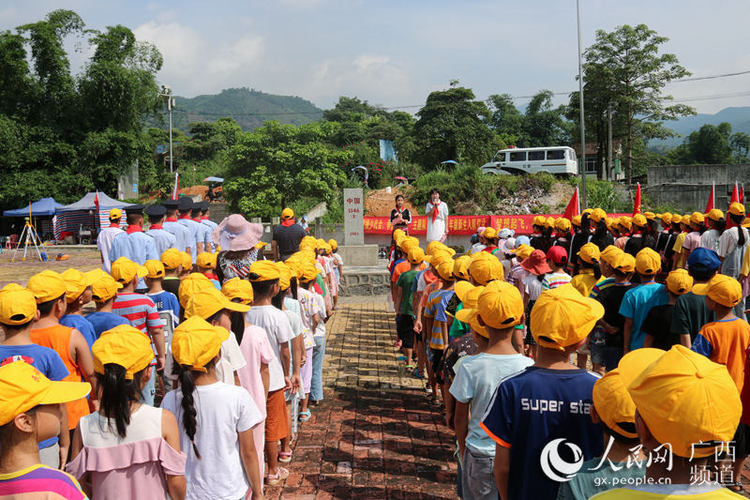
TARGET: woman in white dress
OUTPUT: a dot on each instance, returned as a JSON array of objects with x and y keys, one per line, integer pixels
[{"x": 437, "y": 218}]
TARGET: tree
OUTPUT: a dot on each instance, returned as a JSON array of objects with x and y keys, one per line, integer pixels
[
  {"x": 740, "y": 144},
  {"x": 506, "y": 120},
  {"x": 544, "y": 125},
  {"x": 628, "y": 60},
  {"x": 451, "y": 126},
  {"x": 708, "y": 145}
]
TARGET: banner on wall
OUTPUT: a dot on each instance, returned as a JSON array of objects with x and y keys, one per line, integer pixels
[{"x": 462, "y": 224}]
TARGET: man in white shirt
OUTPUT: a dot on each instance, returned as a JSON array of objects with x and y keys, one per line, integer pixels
[{"x": 106, "y": 235}]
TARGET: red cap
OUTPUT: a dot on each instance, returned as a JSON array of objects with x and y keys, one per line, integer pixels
[
  {"x": 557, "y": 255},
  {"x": 536, "y": 263}
]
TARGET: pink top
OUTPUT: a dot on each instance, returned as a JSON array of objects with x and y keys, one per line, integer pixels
[
  {"x": 256, "y": 350},
  {"x": 133, "y": 467}
]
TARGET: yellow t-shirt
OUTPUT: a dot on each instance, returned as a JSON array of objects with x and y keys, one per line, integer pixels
[
  {"x": 678, "y": 250},
  {"x": 628, "y": 494}
]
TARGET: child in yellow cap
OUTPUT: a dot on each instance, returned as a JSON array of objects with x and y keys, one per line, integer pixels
[
  {"x": 338, "y": 267},
  {"x": 30, "y": 413},
  {"x": 499, "y": 309},
  {"x": 436, "y": 324},
  {"x": 172, "y": 261},
  {"x": 206, "y": 263},
  {"x": 733, "y": 244},
  {"x": 163, "y": 300},
  {"x": 49, "y": 290},
  {"x": 187, "y": 264},
  {"x": 638, "y": 301},
  {"x": 403, "y": 302},
  {"x": 530, "y": 411},
  {"x": 77, "y": 295},
  {"x": 216, "y": 420},
  {"x": 17, "y": 315},
  {"x": 103, "y": 292},
  {"x": 697, "y": 427},
  {"x": 658, "y": 322},
  {"x": 726, "y": 341},
  {"x": 623, "y": 267},
  {"x": 124, "y": 427}
]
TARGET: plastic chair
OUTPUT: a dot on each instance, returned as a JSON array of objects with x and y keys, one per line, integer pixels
[{"x": 12, "y": 241}]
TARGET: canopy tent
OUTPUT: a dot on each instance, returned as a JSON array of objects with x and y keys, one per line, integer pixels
[
  {"x": 43, "y": 208},
  {"x": 83, "y": 213}
]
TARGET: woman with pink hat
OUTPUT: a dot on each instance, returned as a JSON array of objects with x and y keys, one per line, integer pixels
[{"x": 238, "y": 240}]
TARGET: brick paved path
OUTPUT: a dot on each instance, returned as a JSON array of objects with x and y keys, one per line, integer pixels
[{"x": 375, "y": 435}]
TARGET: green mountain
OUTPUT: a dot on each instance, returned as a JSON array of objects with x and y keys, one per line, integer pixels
[{"x": 249, "y": 108}]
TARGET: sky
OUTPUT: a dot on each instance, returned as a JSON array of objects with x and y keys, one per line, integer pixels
[{"x": 394, "y": 53}]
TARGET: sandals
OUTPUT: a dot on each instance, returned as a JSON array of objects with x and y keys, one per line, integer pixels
[
  {"x": 304, "y": 416},
  {"x": 285, "y": 457},
  {"x": 281, "y": 474},
  {"x": 736, "y": 486}
]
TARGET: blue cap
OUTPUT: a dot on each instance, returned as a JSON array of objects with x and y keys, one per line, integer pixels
[
  {"x": 522, "y": 240},
  {"x": 703, "y": 259}
]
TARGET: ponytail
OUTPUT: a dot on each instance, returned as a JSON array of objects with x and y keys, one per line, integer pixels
[
  {"x": 737, "y": 219},
  {"x": 238, "y": 325},
  {"x": 189, "y": 413},
  {"x": 117, "y": 394}
]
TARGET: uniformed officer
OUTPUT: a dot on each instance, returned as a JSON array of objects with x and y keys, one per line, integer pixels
[
  {"x": 134, "y": 243},
  {"x": 106, "y": 235},
  {"x": 185, "y": 207},
  {"x": 204, "y": 233},
  {"x": 162, "y": 239},
  {"x": 171, "y": 225},
  {"x": 205, "y": 208}
]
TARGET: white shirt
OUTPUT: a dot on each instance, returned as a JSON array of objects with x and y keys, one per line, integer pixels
[
  {"x": 532, "y": 286},
  {"x": 436, "y": 230},
  {"x": 710, "y": 240},
  {"x": 279, "y": 331},
  {"x": 230, "y": 361},
  {"x": 223, "y": 412},
  {"x": 320, "y": 306},
  {"x": 731, "y": 252},
  {"x": 104, "y": 243}
]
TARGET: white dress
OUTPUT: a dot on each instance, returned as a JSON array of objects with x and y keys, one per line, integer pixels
[{"x": 436, "y": 230}]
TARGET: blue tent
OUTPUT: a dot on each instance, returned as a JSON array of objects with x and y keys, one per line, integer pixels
[{"x": 41, "y": 208}]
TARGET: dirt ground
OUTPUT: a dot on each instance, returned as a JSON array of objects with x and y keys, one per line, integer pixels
[
  {"x": 20, "y": 271},
  {"x": 380, "y": 203}
]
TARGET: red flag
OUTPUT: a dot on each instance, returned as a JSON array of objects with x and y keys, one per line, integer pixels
[
  {"x": 96, "y": 200},
  {"x": 735, "y": 194},
  {"x": 711, "y": 199},
  {"x": 574, "y": 206},
  {"x": 176, "y": 190},
  {"x": 637, "y": 201},
  {"x": 742, "y": 194}
]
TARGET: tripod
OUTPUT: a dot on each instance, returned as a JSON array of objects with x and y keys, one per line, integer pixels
[{"x": 28, "y": 237}]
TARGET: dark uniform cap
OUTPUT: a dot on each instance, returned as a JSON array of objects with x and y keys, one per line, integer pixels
[
  {"x": 155, "y": 210},
  {"x": 185, "y": 204},
  {"x": 170, "y": 203},
  {"x": 204, "y": 206},
  {"x": 134, "y": 209}
]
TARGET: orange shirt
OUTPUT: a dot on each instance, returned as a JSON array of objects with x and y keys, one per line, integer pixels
[
  {"x": 57, "y": 337},
  {"x": 726, "y": 342}
]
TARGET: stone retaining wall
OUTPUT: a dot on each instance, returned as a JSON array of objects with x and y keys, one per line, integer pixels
[{"x": 354, "y": 283}]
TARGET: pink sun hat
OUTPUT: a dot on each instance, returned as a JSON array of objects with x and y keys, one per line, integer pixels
[{"x": 235, "y": 233}]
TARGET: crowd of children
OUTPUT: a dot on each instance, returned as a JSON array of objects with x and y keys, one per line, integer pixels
[
  {"x": 651, "y": 310},
  {"x": 185, "y": 391}
]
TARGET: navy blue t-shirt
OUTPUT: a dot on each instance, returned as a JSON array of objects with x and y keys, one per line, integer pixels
[
  {"x": 534, "y": 407},
  {"x": 44, "y": 359},
  {"x": 103, "y": 321},
  {"x": 82, "y": 325},
  {"x": 166, "y": 301}
]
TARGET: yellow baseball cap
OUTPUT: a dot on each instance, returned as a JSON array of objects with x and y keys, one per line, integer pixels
[
  {"x": 676, "y": 218},
  {"x": 562, "y": 317},
  {"x": 746, "y": 222},
  {"x": 263, "y": 270},
  {"x": 125, "y": 270},
  {"x": 611, "y": 397},
  {"x": 104, "y": 288},
  {"x": 539, "y": 220},
  {"x": 398, "y": 236},
  {"x": 562, "y": 224},
  {"x": 187, "y": 261},
  {"x": 523, "y": 252},
  {"x": 287, "y": 213},
  {"x": 190, "y": 284},
  {"x": 679, "y": 282},
  {"x": 47, "y": 286},
  {"x": 647, "y": 261},
  {"x": 409, "y": 243},
  {"x": 589, "y": 253},
  {"x": 490, "y": 233},
  {"x": 469, "y": 296},
  {"x": 237, "y": 288},
  {"x": 445, "y": 270},
  {"x": 587, "y": 211},
  {"x": 624, "y": 262},
  {"x": 77, "y": 282},
  {"x": 115, "y": 213},
  {"x": 685, "y": 399},
  {"x": 736, "y": 208},
  {"x": 485, "y": 267},
  {"x": 205, "y": 302},
  {"x": 17, "y": 306},
  {"x": 195, "y": 342},
  {"x": 206, "y": 260},
  {"x": 123, "y": 345},
  {"x": 334, "y": 244},
  {"x": 171, "y": 258},
  {"x": 415, "y": 256},
  {"x": 609, "y": 253},
  {"x": 154, "y": 269},
  {"x": 649, "y": 215},
  {"x": 666, "y": 217},
  {"x": 715, "y": 214},
  {"x": 724, "y": 290},
  {"x": 625, "y": 222},
  {"x": 685, "y": 220},
  {"x": 285, "y": 275},
  {"x": 500, "y": 305},
  {"x": 576, "y": 220},
  {"x": 461, "y": 267},
  {"x": 640, "y": 220},
  {"x": 697, "y": 218},
  {"x": 309, "y": 271},
  {"x": 23, "y": 387},
  {"x": 598, "y": 214}
]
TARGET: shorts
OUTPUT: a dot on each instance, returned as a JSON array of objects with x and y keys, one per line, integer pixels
[
  {"x": 405, "y": 328},
  {"x": 597, "y": 346},
  {"x": 277, "y": 423},
  {"x": 529, "y": 339},
  {"x": 436, "y": 356},
  {"x": 612, "y": 356},
  {"x": 741, "y": 442}
]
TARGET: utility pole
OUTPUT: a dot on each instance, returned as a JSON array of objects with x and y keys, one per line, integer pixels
[
  {"x": 580, "y": 97},
  {"x": 167, "y": 92},
  {"x": 609, "y": 141}
]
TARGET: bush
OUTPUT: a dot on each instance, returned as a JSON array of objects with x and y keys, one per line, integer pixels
[
  {"x": 602, "y": 194},
  {"x": 457, "y": 186}
]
